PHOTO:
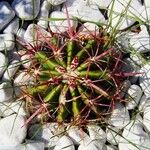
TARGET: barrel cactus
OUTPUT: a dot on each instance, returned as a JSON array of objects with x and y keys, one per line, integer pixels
[{"x": 77, "y": 78}]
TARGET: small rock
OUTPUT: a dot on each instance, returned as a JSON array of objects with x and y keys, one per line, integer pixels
[
  {"x": 12, "y": 27},
  {"x": 36, "y": 35},
  {"x": 146, "y": 117},
  {"x": 32, "y": 145},
  {"x": 134, "y": 137},
  {"x": 144, "y": 79},
  {"x": 134, "y": 94},
  {"x": 44, "y": 14},
  {"x": 110, "y": 147},
  {"x": 26, "y": 9},
  {"x": 3, "y": 63},
  {"x": 9, "y": 108},
  {"x": 13, "y": 130},
  {"x": 97, "y": 135},
  {"x": 90, "y": 146},
  {"x": 144, "y": 102},
  {"x": 11, "y": 70},
  {"x": 25, "y": 58},
  {"x": 20, "y": 33},
  {"x": 6, "y": 14},
  {"x": 6, "y": 92},
  {"x": 22, "y": 80},
  {"x": 102, "y": 4},
  {"x": 125, "y": 86},
  {"x": 140, "y": 41},
  {"x": 88, "y": 30},
  {"x": 6, "y": 42},
  {"x": 61, "y": 25},
  {"x": 113, "y": 135},
  {"x": 78, "y": 136},
  {"x": 64, "y": 143},
  {"x": 54, "y": 2},
  {"x": 48, "y": 133},
  {"x": 120, "y": 116},
  {"x": 120, "y": 11},
  {"x": 84, "y": 11}
]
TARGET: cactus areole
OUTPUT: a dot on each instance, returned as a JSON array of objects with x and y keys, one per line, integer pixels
[{"x": 76, "y": 80}]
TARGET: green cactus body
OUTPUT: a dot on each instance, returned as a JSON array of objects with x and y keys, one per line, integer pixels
[{"x": 76, "y": 81}]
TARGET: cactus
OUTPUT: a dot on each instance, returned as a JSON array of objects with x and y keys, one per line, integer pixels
[{"x": 78, "y": 78}]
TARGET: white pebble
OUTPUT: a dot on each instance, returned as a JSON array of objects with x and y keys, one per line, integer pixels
[
  {"x": 44, "y": 14},
  {"x": 120, "y": 11},
  {"x": 89, "y": 29},
  {"x": 84, "y": 11},
  {"x": 26, "y": 9},
  {"x": 78, "y": 136},
  {"x": 11, "y": 70},
  {"x": 134, "y": 137},
  {"x": 102, "y": 4},
  {"x": 6, "y": 92},
  {"x": 97, "y": 133},
  {"x": 90, "y": 146},
  {"x": 13, "y": 130},
  {"x": 144, "y": 79},
  {"x": 12, "y": 27},
  {"x": 3, "y": 63},
  {"x": 120, "y": 116},
  {"x": 20, "y": 33},
  {"x": 6, "y": 42},
  {"x": 36, "y": 34},
  {"x": 47, "y": 133},
  {"x": 61, "y": 25},
  {"x": 64, "y": 143},
  {"x": 56, "y": 2},
  {"x": 133, "y": 95},
  {"x": 9, "y": 108},
  {"x": 146, "y": 117},
  {"x": 140, "y": 41},
  {"x": 113, "y": 136},
  {"x": 6, "y": 14},
  {"x": 144, "y": 102}
]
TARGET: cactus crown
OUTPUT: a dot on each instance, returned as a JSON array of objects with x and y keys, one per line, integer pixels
[{"x": 77, "y": 78}]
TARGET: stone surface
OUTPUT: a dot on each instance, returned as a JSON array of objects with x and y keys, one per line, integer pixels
[
  {"x": 48, "y": 133},
  {"x": 11, "y": 70},
  {"x": 144, "y": 102},
  {"x": 146, "y": 117},
  {"x": 9, "y": 108},
  {"x": 90, "y": 146},
  {"x": 144, "y": 79},
  {"x": 44, "y": 14},
  {"x": 25, "y": 58},
  {"x": 133, "y": 95},
  {"x": 61, "y": 25},
  {"x": 6, "y": 42},
  {"x": 56, "y": 2},
  {"x": 36, "y": 35},
  {"x": 3, "y": 63},
  {"x": 83, "y": 10},
  {"x": 6, "y": 92},
  {"x": 26, "y": 9},
  {"x": 13, "y": 130},
  {"x": 134, "y": 136},
  {"x": 78, "y": 136},
  {"x": 97, "y": 135},
  {"x": 6, "y": 14},
  {"x": 12, "y": 27},
  {"x": 113, "y": 135},
  {"x": 140, "y": 41},
  {"x": 119, "y": 116},
  {"x": 64, "y": 143},
  {"x": 88, "y": 30},
  {"x": 120, "y": 17},
  {"x": 102, "y": 4},
  {"x": 20, "y": 33}
]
